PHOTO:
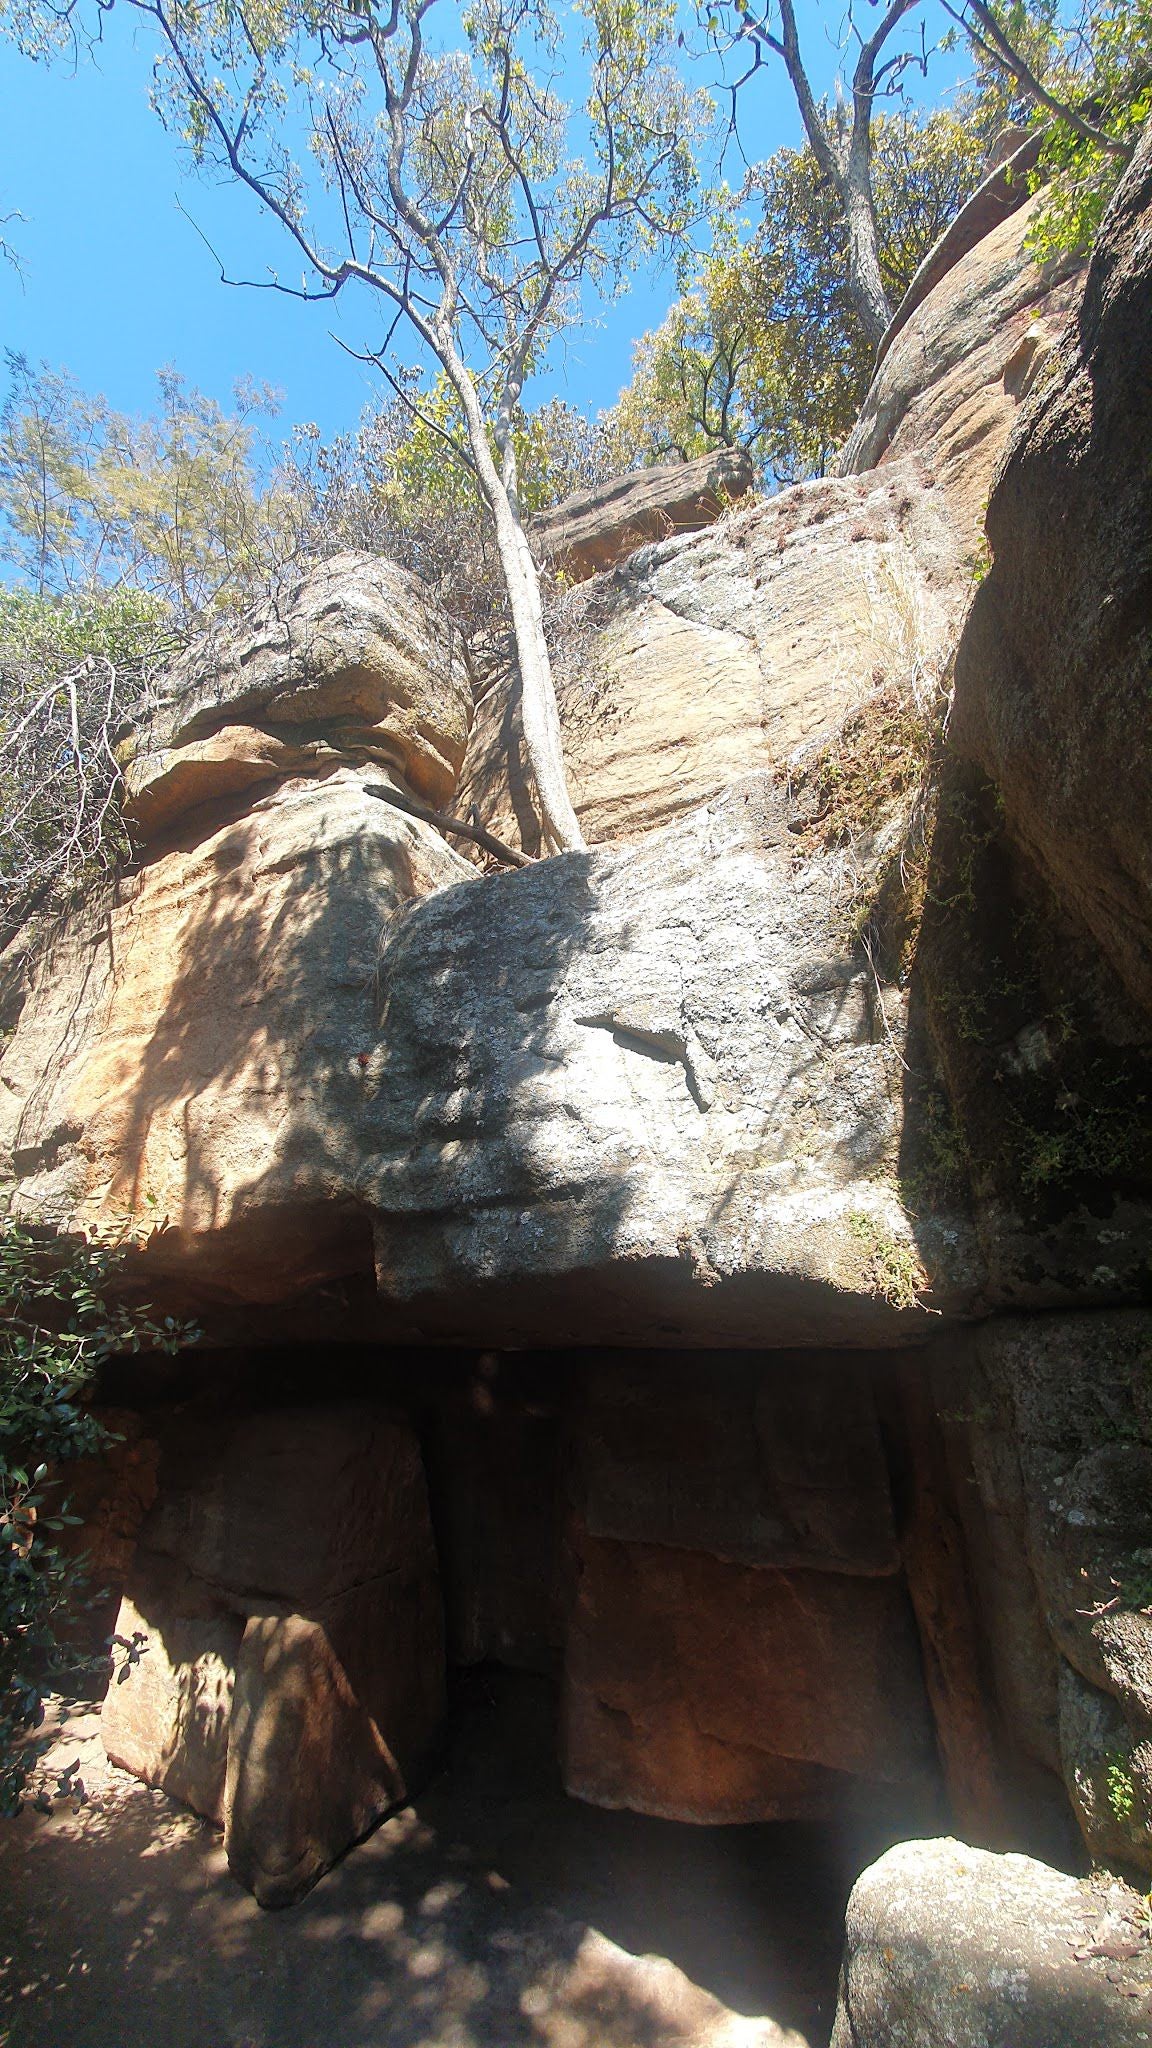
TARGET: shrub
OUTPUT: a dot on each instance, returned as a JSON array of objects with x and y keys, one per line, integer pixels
[{"x": 72, "y": 670}]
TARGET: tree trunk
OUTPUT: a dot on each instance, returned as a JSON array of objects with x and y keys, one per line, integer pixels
[
  {"x": 864, "y": 277},
  {"x": 539, "y": 716}
]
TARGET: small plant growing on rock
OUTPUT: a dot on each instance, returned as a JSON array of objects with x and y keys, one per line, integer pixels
[
  {"x": 1121, "y": 1790},
  {"x": 892, "y": 1267},
  {"x": 57, "y": 1325}
]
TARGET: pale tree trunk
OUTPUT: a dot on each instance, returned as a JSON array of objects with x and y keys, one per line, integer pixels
[
  {"x": 865, "y": 281},
  {"x": 850, "y": 171},
  {"x": 539, "y": 716}
]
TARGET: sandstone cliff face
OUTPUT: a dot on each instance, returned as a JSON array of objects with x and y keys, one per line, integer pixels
[
  {"x": 191, "y": 1050},
  {"x": 704, "y": 658},
  {"x": 672, "y": 1094},
  {"x": 1052, "y": 674}
]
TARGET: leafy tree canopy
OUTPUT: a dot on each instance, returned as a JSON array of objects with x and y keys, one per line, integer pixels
[
  {"x": 174, "y": 504},
  {"x": 767, "y": 350}
]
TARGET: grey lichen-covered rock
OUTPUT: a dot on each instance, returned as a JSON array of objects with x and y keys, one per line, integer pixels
[
  {"x": 949, "y": 1944},
  {"x": 352, "y": 660},
  {"x": 645, "y": 1095},
  {"x": 285, "y": 1668},
  {"x": 1054, "y": 1414}
]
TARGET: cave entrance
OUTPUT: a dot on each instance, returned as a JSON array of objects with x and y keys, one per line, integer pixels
[{"x": 629, "y": 1632}]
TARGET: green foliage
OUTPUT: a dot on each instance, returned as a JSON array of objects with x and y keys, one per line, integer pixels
[
  {"x": 892, "y": 1265},
  {"x": 766, "y": 350},
  {"x": 72, "y": 669},
  {"x": 1122, "y": 1798},
  {"x": 396, "y": 487},
  {"x": 172, "y": 504},
  {"x": 58, "y": 1322},
  {"x": 1102, "y": 64}
]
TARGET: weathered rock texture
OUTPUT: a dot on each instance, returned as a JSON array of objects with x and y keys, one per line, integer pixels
[
  {"x": 604, "y": 1996},
  {"x": 1052, "y": 675},
  {"x": 1049, "y": 1422},
  {"x": 945, "y": 1943},
  {"x": 283, "y": 1668},
  {"x": 593, "y": 530},
  {"x": 645, "y": 1094},
  {"x": 642, "y": 1096},
  {"x": 351, "y": 661},
  {"x": 707, "y": 1691},
  {"x": 705, "y": 658},
  {"x": 1032, "y": 963},
  {"x": 958, "y": 365},
  {"x": 194, "y": 1048},
  {"x": 1003, "y": 191},
  {"x": 740, "y": 1645}
]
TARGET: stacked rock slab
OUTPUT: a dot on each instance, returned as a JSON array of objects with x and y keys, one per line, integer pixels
[
  {"x": 281, "y": 1657},
  {"x": 193, "y": 1050},
  {"x": 740, "y": 1645},
  {"x": 593, "y": 530}
]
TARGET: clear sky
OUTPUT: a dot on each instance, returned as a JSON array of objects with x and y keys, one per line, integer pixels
[{"x": 117, "y": 280}]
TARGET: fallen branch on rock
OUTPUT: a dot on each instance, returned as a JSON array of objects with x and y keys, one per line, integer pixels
[{"x": 510, "y": 856}]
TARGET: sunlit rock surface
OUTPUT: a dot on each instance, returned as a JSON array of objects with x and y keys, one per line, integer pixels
[
  {"x": 946, "y": 1943},
  {"x": 281, "y": 1663}
]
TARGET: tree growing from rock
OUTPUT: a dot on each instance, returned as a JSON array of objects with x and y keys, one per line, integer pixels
[
  {"x": 441, "y": 171},
  {"x": 767, "y": 350},
  {"x": 1086, "y": 75}
]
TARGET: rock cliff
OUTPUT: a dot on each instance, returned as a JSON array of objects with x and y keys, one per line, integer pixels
[{"x": 707, "y": 1271}]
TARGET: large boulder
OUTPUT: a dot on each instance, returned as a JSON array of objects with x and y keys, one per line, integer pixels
[
  {"x": 593, "y": 530},
  {"x": 1053, "y": 672},
  {"x": 193, "y": 1053},
  {"x": 1002, "y": 191},
  {"x": 352, "y": 660},
  {"x": 949, "y": 1944},
  {"x": 644, "y": 1095},
  {"x": 169, "y": 1703},
  {"x": 281, "y": 1656},
  {"x": 741, "y": 1646},
  {"x": 709, "y": 1692}
]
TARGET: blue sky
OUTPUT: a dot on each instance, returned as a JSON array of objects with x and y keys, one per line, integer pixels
[{"x": 117, "y": 281}]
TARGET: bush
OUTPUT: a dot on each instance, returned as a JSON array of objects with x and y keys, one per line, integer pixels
[
  {"x": 72, "y": 672},
  {"x": 57, "y": 1324}
]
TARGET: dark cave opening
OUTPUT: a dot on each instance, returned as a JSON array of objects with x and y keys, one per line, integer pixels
[{"x": 692, "y": 1630}]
